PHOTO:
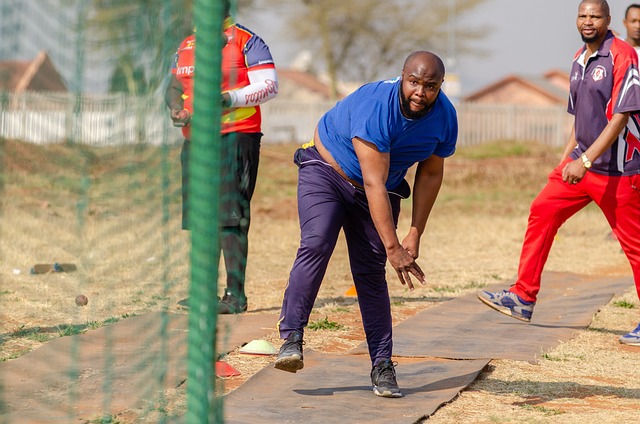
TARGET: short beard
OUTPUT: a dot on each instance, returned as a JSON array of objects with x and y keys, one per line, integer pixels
[
  {"x": 589, "y": 39},
  {"x": 405, "y": 106}
]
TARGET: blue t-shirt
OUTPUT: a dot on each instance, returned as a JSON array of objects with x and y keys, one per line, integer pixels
[{"x": 372, "y": 113}]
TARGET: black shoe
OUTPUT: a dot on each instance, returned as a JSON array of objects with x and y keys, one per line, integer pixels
[
  {"x": 230, "y": 304},
  {"x": 383, "y": 379},
  {"x": 290, "y": 356}
]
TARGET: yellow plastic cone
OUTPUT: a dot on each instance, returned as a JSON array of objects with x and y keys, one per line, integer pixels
[{"x": 258, "y": 347}]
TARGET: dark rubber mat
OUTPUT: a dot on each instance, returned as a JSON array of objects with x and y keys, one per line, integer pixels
[
  {"x": 109, "y": 369},
  {"x": 337, "y": 389},
  {"x": 115, "y": 367},
  {"x": 465, "y": 328}
]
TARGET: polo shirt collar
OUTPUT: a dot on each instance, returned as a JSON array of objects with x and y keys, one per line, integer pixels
[
  {"x": 603, "y": 51},
  {"x": 605, "y": 47}
]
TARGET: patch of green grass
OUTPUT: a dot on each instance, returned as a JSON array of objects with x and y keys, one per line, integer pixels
[
  {"x": 35, "y": 333},
  {"x": 23, "y": 332},
  {"x": 624, "y": 304},
  {"x": 116, "y": 319},
  {"x": 472, "y": 285},
  {"x": 502, "y": 149},
  {"x": 5, "y": 292},
  {"x": 562, "y": 358},
  {"x": 71, "y": 329},
  {"x": 105, "y": 420},
  {"x": 92, "y": 325},
  {"x": 342, "y": 309},
  {"x": 40, "y": 337},
  {"x": 397, "y": 303},
  {"x": 15, "y": 355},
  {"x": 325, "y": 324},
  {"x": 548, "y": 412},
  {"x": 158, "y": 297},
  {"x": 31, "y": 334},
  {"x": 456, "y": 289},
  {"x": 552, "y": 358}
]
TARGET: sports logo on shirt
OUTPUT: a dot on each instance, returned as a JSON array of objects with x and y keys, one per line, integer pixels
[
  {"x": 599, "y": 73},
  {"x": 185, "y": 70}
]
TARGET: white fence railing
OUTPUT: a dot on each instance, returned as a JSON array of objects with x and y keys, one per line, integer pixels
[
  {"x": 118, "y": 119},
  {"x": 479, "y": 123}
]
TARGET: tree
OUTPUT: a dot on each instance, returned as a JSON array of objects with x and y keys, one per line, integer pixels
[
  {"x": 139, "y": 38},
  {"x": 363, "y": 39},
  {"x": 135, "y": 39},
  {"x": 127, "y": 77}
]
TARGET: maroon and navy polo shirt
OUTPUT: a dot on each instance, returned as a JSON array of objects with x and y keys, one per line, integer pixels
[{"x": 608, "y": 84}]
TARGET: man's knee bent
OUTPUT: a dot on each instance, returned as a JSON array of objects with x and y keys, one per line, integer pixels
[{"x": 317, "y": 245}]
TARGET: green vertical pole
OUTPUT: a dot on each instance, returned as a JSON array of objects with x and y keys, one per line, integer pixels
[{"x": 203, "y": 406}]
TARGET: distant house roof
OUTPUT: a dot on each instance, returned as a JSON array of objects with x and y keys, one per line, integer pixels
[
  {"x": 550, "y": 88},
  {"x": 37, "y": 75},
  {"x": 306, "y": 86}
]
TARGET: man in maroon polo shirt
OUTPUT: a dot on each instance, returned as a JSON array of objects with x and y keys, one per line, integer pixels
[{"x": 601, "y": 162}]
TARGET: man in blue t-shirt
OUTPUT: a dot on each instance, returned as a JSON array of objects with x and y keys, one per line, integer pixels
[{"x": 351, "y": 177}]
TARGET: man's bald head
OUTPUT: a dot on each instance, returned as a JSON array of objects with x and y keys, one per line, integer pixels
[
  {"x": 426, "y": 60},
  {"x": 604, "y": 6}
]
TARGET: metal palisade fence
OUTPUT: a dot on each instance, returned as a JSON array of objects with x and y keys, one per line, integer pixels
[{"x": 116, "y": 119}]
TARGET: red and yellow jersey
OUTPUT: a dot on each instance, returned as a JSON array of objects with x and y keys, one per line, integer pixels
[{"x": 243, "y": 52}]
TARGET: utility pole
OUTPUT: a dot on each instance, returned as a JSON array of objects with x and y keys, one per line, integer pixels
[{"x": 451, "y": 84}]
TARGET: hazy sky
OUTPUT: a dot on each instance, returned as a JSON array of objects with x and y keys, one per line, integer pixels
[{"x": 529, "y": 37}]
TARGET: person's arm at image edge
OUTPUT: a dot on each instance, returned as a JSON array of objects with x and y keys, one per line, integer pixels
[
  {"x": 375, "y": 169},
  {"x": 426, "y": 186}
]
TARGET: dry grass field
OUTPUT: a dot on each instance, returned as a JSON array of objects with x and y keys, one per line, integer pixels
[{"x": 115, "y": 213}]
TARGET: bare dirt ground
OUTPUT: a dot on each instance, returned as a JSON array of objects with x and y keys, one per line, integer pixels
[{"x": 105, "y": 212}]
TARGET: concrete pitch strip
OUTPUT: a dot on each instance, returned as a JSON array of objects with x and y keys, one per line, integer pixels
[{"x": 440, "y": 352}]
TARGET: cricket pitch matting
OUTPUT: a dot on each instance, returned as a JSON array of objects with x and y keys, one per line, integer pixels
[
  {"x": 111, "y": 369},
  {"x": 337, "y": 389},
  {"x": 465, "y": 328}
]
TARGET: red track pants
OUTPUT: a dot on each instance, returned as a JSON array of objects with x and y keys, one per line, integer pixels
[{"x": 617, "y": 197}]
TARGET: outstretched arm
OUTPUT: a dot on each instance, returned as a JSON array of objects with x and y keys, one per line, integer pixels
[
  {"x": 426, "y": 186},
  {"x": 375, "y": 170}
]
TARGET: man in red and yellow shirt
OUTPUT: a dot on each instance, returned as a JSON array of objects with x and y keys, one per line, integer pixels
[{"x": 248, "y": 79}]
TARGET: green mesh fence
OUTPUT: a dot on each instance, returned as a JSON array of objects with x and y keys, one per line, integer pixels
[{"x": 91, "y": 205}]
